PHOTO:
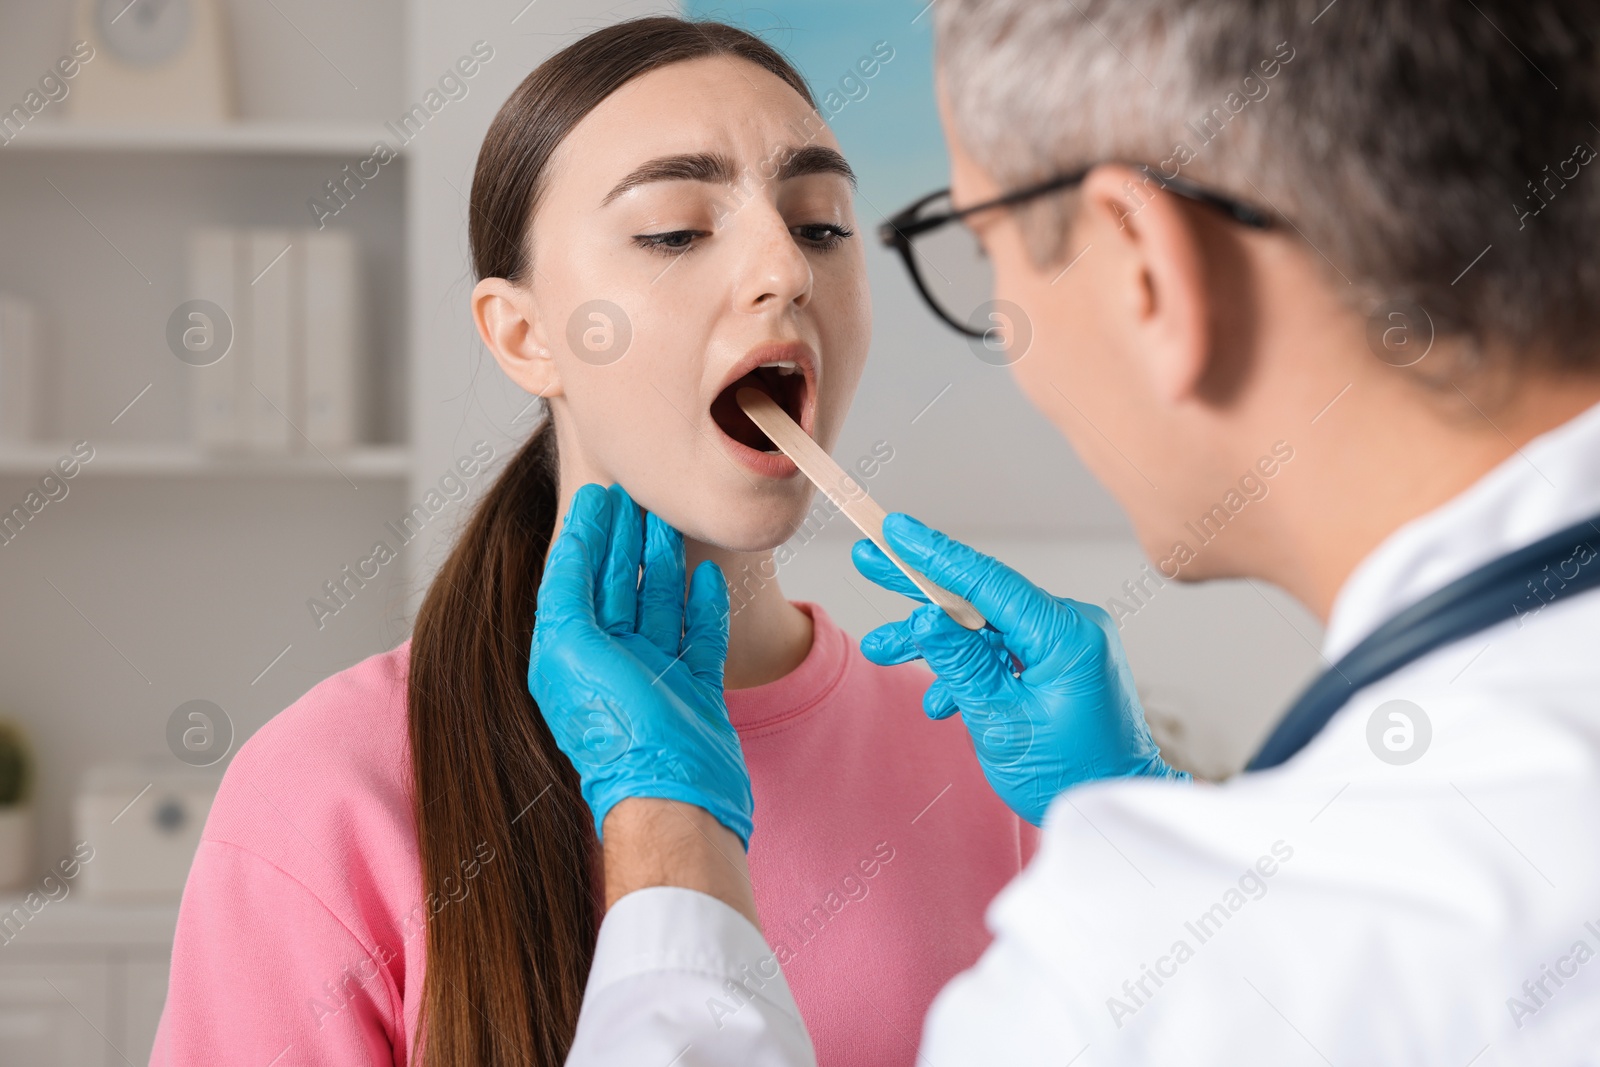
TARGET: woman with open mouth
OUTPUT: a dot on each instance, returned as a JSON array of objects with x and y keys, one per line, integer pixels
[{"x": 400, "y": 868}]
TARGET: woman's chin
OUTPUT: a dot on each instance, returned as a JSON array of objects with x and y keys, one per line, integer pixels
[{"x": 758, "y": 527}]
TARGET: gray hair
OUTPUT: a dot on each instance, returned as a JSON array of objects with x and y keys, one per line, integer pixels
[{"x": 1428, "y": 150}]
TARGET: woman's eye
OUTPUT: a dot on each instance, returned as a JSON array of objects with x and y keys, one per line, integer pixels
[
  {"x": 823, "y": 235},
  {"x": 671, "y": 243}
]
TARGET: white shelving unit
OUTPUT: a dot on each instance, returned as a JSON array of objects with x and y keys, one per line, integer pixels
[
  {"x": 99, "y": 268},
  {"x": 284, "y": 137},
  {"x": 166, "y": 572},
  {"x": 374, "y": 461}
]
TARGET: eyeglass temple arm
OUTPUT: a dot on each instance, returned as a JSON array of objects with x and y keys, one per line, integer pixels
[
  {"x": 903, "y": 226},
  {"x": 1237, "y": 209}
]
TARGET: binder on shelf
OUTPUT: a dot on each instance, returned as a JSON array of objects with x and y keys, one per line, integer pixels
[
  {"x": 332, "y": 344},
  {"x": 19, "y": 363},
  {"x": 214, "y": 265},
  {"x": 291, "y": 380},
  {"x": 270, "y": 399}
]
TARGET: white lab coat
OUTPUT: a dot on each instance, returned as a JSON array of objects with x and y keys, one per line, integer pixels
[{"x": 1339, "y": 909}]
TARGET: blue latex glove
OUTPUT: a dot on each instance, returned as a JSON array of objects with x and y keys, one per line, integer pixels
[
  {"x": 627, "y": 676},
  {"x": 1045, "y": 689}
]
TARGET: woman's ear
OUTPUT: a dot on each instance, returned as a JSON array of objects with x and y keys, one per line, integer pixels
[
  {"x": 512, "y": 329},
  {"x": 1164, "y": 281}
]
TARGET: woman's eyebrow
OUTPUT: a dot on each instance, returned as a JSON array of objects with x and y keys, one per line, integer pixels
[
  {"x": 815, "y": 159},
  {"x": 692, "y": 166},
  {"x": 718, "y": 168}
]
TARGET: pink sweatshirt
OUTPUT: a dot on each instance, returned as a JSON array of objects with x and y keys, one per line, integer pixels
[{"x": 877, "y": 846}]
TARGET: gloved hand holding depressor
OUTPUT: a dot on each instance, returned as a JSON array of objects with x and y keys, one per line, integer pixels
[
  {"x": 1045, "y": 689},
  {"x": 627, "y": 674}
]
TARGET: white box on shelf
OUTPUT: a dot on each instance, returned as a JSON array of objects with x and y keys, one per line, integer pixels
[
  {"x": 271, "y": 396},
  {"x": 332, "y": 340},
  {"x": 215, "y": 263},
  {"x": 174, "y": 64},
  {"x": 144, "y": 821},
  {"x": 19, "y": 363}
]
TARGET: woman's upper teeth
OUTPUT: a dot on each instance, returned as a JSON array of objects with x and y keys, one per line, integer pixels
[{"x": 785, "y": 366}]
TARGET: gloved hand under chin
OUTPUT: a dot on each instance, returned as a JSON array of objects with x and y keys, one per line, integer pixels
[
  {"x": 628, "y": 676},
  {"x": 1045, "y": 690}
]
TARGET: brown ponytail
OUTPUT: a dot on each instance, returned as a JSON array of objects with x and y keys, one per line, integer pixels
[{"x": 506, "y": 967}]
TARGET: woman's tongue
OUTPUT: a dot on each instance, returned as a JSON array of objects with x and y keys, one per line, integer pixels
[
  {"x": 727, "y": 414},
  {"x": 788, "y": 390}
]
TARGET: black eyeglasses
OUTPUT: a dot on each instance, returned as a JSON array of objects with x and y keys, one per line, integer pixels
[{"x": 948, "y": 264}]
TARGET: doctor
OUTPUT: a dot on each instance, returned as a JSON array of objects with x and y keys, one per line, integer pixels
[{"x": 1358, "y": 265}]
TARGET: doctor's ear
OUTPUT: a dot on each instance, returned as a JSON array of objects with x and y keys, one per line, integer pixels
[
  {"x": 513, "y": 330},
  {"x": 1159, "y": 277}
]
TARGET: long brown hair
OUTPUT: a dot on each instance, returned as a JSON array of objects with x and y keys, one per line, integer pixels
[{"x": 506, "y": 967}]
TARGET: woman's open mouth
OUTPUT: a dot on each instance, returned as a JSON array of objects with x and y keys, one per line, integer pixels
[{"x": 787, "y": 373}]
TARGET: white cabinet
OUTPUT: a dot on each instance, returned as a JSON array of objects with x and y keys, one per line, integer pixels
[
  {"x": 55, "y": 1014},
  {"x": 82, "y": 985}
]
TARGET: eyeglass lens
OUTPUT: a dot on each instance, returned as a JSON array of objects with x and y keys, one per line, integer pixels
[{"x": 954, "y": 269}]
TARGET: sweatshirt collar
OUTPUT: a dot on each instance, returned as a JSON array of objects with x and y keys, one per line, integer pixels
[{"x": 803, "y": 689}]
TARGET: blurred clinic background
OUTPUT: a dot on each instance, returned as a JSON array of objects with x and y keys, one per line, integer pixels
[{"x": 287, "y": 180}]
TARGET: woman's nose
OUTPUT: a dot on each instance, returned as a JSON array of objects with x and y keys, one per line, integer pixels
[{"x": 776, "y": 272}]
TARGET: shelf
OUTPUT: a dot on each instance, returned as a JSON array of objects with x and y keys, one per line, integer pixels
[
  {"x": 76, "y": 921},
  {"x": 240, "y": 138},
  {"x": 33, "y": 460}
]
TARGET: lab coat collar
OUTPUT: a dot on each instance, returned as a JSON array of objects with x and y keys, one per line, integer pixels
[{"x": 1551, "y": 482}]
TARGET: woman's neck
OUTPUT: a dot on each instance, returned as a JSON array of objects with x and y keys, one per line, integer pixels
[{"x": 767, "y": 636}]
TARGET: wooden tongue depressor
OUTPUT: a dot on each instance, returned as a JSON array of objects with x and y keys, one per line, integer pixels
[{"x": 844, "y": 491}]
